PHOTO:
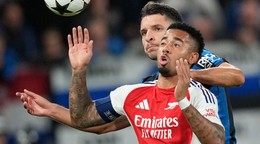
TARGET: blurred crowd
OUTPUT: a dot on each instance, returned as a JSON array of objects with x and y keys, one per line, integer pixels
[{"x": 33, "y": 47}]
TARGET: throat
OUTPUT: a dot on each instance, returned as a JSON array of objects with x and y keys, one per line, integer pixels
[{"x": 167, "y": 82}]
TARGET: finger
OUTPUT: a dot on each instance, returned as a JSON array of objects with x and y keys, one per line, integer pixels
[
  {"x": 29, "y": 103},
  {"x": 187, "y": 68},
  {"x": 30, "y": 111},
  {"x": 186, "y": 71},
  {"x": 177, "y": 67},
  {"x": 80, "y": 34},
  {"x": 31, "y": 94},
  {"x": 86, "y": 36},
  {"x": 70, "y": 41},
  {"x": 23, "y": 98},
  {"x": 74, "y": 35},
  {"x": 90, "y": 47},
  {"x": 183, "y": 68},
  {"x": 18, "y": 94},
  {"x": 25, "y": 105}
]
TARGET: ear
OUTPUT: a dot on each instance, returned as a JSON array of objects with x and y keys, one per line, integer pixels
[{"x": 193, "y": 58}]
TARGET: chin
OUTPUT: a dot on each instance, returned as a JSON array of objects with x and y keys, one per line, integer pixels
[
  {"x": 152, "y": 57},
  {"x": 164, "y": 71}
]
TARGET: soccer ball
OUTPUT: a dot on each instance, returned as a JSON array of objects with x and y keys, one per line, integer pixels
[{"x": 67, "y": 7}]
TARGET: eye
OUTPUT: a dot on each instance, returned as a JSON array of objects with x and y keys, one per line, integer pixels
[
  {"x": 163, "y": 43},
  {"x": 176, "y": 45},
  {"x": 143, "y": 33},
  {"x": 158, "y": 29}
]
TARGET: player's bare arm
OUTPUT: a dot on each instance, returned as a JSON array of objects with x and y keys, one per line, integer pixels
[
  {"x": 205, "y": 130},
  {"x": 82, "y": 109},
  {"x": 224, "y": 75},
  {"x": 37, "y": 105}
]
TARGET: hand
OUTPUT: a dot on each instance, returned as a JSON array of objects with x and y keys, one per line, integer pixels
[
  {"x": 80, "y": 50},
  {"x": 183, "y": 72},
  {"x": 34, "y": 104}
]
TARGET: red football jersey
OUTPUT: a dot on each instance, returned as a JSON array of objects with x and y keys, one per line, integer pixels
[{"x": 155, "y": 114}]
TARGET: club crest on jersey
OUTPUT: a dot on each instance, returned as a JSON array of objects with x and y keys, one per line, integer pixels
[{"x": 171, "y": 105}]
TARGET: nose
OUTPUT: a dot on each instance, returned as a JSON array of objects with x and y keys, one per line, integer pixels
[
  {"x": 149, "y": 36},
  {"x": 165, "y": 48}
]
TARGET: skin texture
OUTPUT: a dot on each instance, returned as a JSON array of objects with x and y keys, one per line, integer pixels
[
  {"x": 175, "y": 58},
  {"x": 80, "y": 98},
  {"x": 152, "y": 29},
  {"x": 175, "y": 48}
]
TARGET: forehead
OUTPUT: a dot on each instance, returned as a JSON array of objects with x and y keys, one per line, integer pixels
[
  {"x": 155, "y": 19},
  {"x": 177, "y": 33}
]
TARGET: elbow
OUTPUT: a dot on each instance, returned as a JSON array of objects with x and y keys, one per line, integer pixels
[
  {"x": 220, "y": 135},
  {"x": 235, "y": 79},
  {"x": 216, "y": 136},
  {"x": 99, "y": 132},
  {"x": 240, "y": 79},
  {"x": 78, "y": 123}
]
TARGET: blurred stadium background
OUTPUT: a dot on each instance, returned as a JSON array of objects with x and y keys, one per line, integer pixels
[{"x": 33, "y": 55}]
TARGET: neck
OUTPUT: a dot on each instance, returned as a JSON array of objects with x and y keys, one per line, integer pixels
[{"x": 167, "y": 82}]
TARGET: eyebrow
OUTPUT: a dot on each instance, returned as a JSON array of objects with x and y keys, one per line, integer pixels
[
  {"x": 164, "y": 38},
  {"x": 152, "y": 26},
  {"x": 175, "y": 38}
]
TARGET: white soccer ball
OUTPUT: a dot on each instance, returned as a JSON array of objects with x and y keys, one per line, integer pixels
[{"x": 67, "y": 7}]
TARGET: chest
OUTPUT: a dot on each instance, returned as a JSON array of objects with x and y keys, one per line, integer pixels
[{"x": 156, "y": 115}]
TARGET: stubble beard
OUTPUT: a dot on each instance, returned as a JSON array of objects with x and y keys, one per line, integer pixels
[{"x": 164, "y": 71}]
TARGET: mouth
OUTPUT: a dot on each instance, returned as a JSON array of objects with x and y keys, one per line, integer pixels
[
  {"x": 151, "y": 47},
  {"x": 163, "y": 60}
]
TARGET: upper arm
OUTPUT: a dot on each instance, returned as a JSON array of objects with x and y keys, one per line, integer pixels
[
  {"x": 206, "y": 103},
  {"x": 227, "y": 65}
]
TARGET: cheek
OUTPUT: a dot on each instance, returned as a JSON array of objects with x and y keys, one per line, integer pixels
[{"x": 144, "y": 43}]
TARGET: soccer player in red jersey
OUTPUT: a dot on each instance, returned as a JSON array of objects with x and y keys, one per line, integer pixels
[
  {"x": 174, "y": 109},
  {"x": 155, "y": 20}
]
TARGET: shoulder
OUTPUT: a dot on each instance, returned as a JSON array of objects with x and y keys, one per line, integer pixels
[
  {"x": 199, "y": 92},
  {"x": 208, "y": 59},
  {"x": 198, "y": 88},
  {"x": 151, "y": 78},
  {"x": 125, "y": 89}
]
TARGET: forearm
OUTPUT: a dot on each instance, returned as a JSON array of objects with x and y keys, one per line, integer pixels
[
  {"x": 206, "y": 131},
  {"x": 222, "y": 76},
  {"x": 60, "y": 114},
  {"x": 82, "y": 109}
]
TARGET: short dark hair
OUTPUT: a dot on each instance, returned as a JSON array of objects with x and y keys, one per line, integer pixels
[
  {"x": 160, "y": 8},
  {"x": 194, "y": 33}
]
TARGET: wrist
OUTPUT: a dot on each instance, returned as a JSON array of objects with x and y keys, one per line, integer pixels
[
  {"x": 184, "y": 103},
  {"x": 76, "y": 70},
  {"x": 52, "y": 110}
]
